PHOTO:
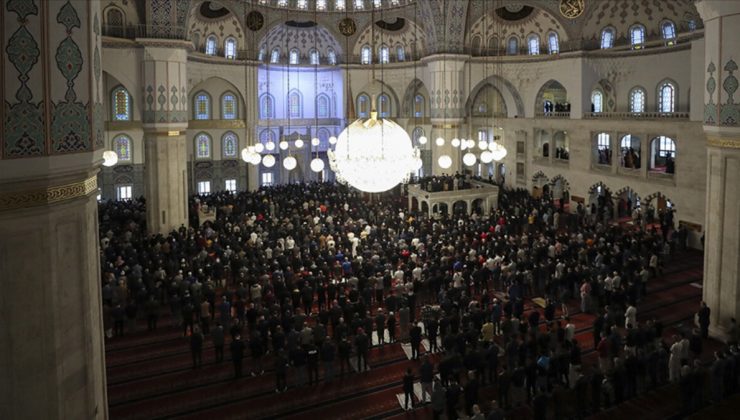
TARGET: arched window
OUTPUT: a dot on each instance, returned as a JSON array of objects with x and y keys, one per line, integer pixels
[
  {"x": 692, "y": 25},
  {"x": 637, "y": 36},
  {"x": 400, "y": 53},
  {"x": 493, "y": 45},
  {"x": 512, "y": 46},
  {"x": 121, "y": 101},
  {"x": 669, "y": 31},
  {"x": 229, "y": 109},
  {"x": 377, "y": 4},
  {"x": 314, "y": 57},
  {"x": 359, "y": 4},
  {"x": 294, "y": 104},
  {"x": 475, "y": 44},
  {"x": 637, "y": 100},
  {"x": 331, "y": 56},
  {"x": 321, "y": 5},
  {"x": 339, "y": 4},
  {"x": 663, "y": 154},
  {"x": 597, "y": 101},
  {"x": 607, "y": 38},
  {"x": 115, "y": 22},
  {"x": 603, "y": 148},
  {"x": 294, "y": 56},
  {"x": 363, "y": 106},
  {"x": 533, "y": 43},
  {"x": 266, "y": 136},
  {"x": 202, "y": 106},
  {"x": 419, "y": 106},
  {"x": 267, "y": 107},
  {"x": 553, "y": 43},
  {"x": 261, "y": 54},
  {"x": 202, "y": 146},
  {"x": 366, "y": 55},
  {"x": 384, "y": 54},
  {"x": 416, "y": 134},
  {"x": 667, "y": 97},
  {"x": 122, "y": 147},
  {"x": 230, "y": 145},
  {"x": 230, "y": 48},
  {"x": 211, "y": 43},
  {"x": 384, "y": 106},
  {"x": 630, "y": 153},
  {"x": 302, "y": 4},
  {"x": 322, "y": 106},
  {"x": 275, "y": 55}
]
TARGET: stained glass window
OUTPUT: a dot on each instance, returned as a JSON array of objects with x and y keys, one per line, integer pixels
[
  {"x": 267, "y": 107},
  {"x": 513, "y": 46},
  {"x": 637, "y": 36},
  {"x": 366, "y": 55},
  {"x": 607, "y": 38},
  {"x": 533, "y": 42},
  {"x": 230, "y": 145},
  {"x": 419, "y": 106},
  {"x": 669, "y": 30},
  {"x": 121, "y": 104},
  {"x": 400, "y": 53},
  {"x": 322, "y": 106},
  {"x": 637, "y": 100},
  {"x": 202, "y": 106},
  {"x": 203, "y": 146},
  {"x": 363, "y": 105},
  {"x": 332, "y": 56},
  {"x": 384, "y": 54},
  {"x": 553, "y": 43},
  {"x": 294, "y": 56},
  {"x": 666, "y": 97},
  {"x": 228, "y": 107},
  {"x": 230, "y": 48},
  {"x": 211, "y": 45},
  {"x": 122, "y": 147},
  {"x": 597, "y": 101},
  {"x": 294, "y": 105},
  {"x": 275, "y": 55},
  {"x": 314, "y": 56},
  {"x": 384, "y": 106}
]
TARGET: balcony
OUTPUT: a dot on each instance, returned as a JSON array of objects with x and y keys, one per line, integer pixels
[
  {"x": 145, "y": 31},
  {"x": 636, "y": 116},
  {"x": 553, "y": 114}
]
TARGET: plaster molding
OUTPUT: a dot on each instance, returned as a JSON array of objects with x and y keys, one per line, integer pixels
[
  {"x": 216, "y": 124},
  {"x": 723, "y": 142},
  {"x": 45, "y": 196}
]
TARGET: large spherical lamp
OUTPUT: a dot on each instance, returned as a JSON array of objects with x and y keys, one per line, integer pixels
[
  {"x": 317, "y": 165},
  {"x": 290, "y": 163},
  {"x": 498, "y": 151},
  {"x": 486, "y": 157},
  {"x": 268, "y": 161},
  {"x": 332, "y": 140},
  {"x": 455, "y": 142},
  {"x": 373, "y": 155},
  {"x": 270, "y": 145},
  {"x": 299, "y": 144},
  {"x": 440, "y": 141},
  {"x": 315, "y": 141},
  {"x": 259, "y": 147},
  {"x": 110, "y": 158},
  {"x": 423, "y": 140},
  {"x": 444, "y": 162},
  {"x": 284, "y": 145},
  {"x": 469, "y": 159}
]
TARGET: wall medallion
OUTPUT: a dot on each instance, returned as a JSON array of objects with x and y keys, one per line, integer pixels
[{"x": 572, "y": 8}]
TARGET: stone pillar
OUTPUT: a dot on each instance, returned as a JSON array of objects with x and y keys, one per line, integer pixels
[
  {"x": 447, "y": 92},
  {"x": 252, "y": 117},
  {"x": 722, "y": 127},
  {"x": 51, "y": 138},
  {"x": 165, "y": 126}
]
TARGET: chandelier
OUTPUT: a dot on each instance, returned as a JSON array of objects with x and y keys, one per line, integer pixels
[{"x": 373, "y": 155}]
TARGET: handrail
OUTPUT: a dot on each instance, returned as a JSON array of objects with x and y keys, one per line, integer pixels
[{"x": 636, "y": 115}]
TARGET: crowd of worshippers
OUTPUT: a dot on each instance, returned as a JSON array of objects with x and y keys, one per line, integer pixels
[
  {"x": 557, "y": 107},
  {"x": 307, "y": 272},
  {"x": 445, "y": 182}
]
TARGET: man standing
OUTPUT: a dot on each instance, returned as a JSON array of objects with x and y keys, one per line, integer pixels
[
  {"x": 205, "y": 315},
  {"x": 196, "y": 347},
  {"x": 703, "y": 316},
  {"x": 426, "y": 373},
  {"x": 218, "y": 341},
  {"x": 237, "y": 354},
  {"x": 415, "y": 337},
  {"x": 408, "y": 388},
  {"x": 327, "y": 356},
  {"x": 361, "y": 344},
  {"x": 439, "y": 396},
  {"x": 380, "y": 326}
]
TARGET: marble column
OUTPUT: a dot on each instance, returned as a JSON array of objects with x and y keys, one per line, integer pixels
[
  {"x": 51, "y": 142},
  {"x": 722, "y": 128},
  {"x": 165, "y": 125}
]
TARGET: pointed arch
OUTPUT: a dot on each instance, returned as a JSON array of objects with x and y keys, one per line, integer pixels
[
  {"x": 416, "y": 100},
  {"x": 512, "y": 99}
]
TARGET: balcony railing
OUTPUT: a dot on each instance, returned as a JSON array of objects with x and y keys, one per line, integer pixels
[
  {"x": 636, "y": 115},
  {"x": 553, "y": 114},
  {"x": 145, "y": 31}
]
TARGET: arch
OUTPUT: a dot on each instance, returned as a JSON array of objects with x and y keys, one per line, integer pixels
[
  {"x": 115, "y": 21},
  {"x": 659, "y": 201},
  {"x": 123, "y": 146},
  {"x": 400, "y": 53},
  {"x": 475, "y": 44},
  {"x": 416, "y": 134},
  {"x": 314, "y": 58},
  {"x": 533, "y": 44},
  {"x": 363, "y": 105},
  {"x": 275, "y": 55},
  {"x": 627, "y": 201},
  {"x": 366, "y": 55},
  {"x": 121, "y": 104},
  {"x": 597, "y": 101},
  {"x": 375, "y": 88},
  {"x": 608, "y": 99},
  {"x": 662, "y": 155},
  {"x": 211, "y": 47},
  {"x": 384, "y": 54},
  {"x": 202, "y": 106},
  {"x": 331, "y": 56},
  {"x": 203, "y": 145},
  {"x": 668, "y": 31},
  {"x": 540, "y": 177},
  {"x": 512, "y": 99},
  {"x": 323, "y": 135},
  {"x": 294, "y": 56},
  {"x": 267, "y": 135},
  {"x": 441, "y": 208},
  {"x": 267, "y": 106},
  {"x": 667, "y": 94},
  {"x": 323, "y": 106},
  {"x": 385, "y": 109},
  {"x": 424, "y": 206},
  {"x": 489, "y": 102},
  {"x": 512, "y": 45},
  {"x": 553, "y": 42},
  {"x": 478, "y": 206},
  {"x": 415, "y": 104},
  {"x": 637, "y": 36},
  {"x": 561, "y": 142},
  {"x": 638, "y": 99},
  {"x": 554, "y": 95},
  {"x": 602, "y": 147},
  {"x": 560, "y": 188},
  {"x": 460, "y": 207},
  {"x": 229, "y": 106},
  {"x": 608, "y": 34},
  {"x": 294, "y": 104},
  {"x": 229, "y": 145},
  {"x": 230, "y": 47},
  {"x": 630, "y": 148},
  {"x": 493, "y": 45}
]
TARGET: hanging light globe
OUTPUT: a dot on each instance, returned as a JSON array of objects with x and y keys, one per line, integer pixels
[
  {"x": 315, "y": 141},
  {"x": 483, "y": 145},
  {"x": 110, "y": 158},
  {"x": 332, "y": 140},
  {"x": 469, "y": 159},
  {"x": 246, "y": 154},
  {"x": 463, "y": 144},
  {"x": 283, "y": 145},
  {"x": 471, "y": 143},
  {"x": 259, "y": 147},
  {"x": 423, "y": 140},
  {"x": 455, "y": 142},
  {"x": 270, "y": 145},
  {"x": 256, "y": 158},
  {"x": 418, "y": 163},
  {"x": 373, "y": 155},
  {"x": 317, "y": 165},
  {"x": 498, "y": 151},
  {"x": 299, "y": 144},
  {"x": 290, "y": 163},
  {"x": 444, "y": 161},
  {"x": 486, "y": 157},
  {"x": 268, "y": 161},
  {"x": 440, "y": 141}
]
